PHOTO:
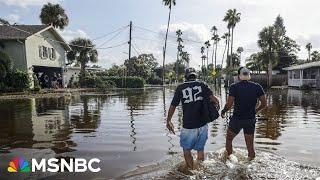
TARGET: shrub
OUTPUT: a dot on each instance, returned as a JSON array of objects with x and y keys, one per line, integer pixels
[
  {"x": 128, "y": 82},
  {"x": 15, "y": 81}
]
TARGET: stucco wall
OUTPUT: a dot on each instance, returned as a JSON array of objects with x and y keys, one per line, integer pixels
[
  {"x": 16, "y": 51},
  {"x": 32, "y": 49}
]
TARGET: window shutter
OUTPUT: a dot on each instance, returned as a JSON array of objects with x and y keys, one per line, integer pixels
[
  {"x": 49, "y": 53},
  {"x": 40, "y": 52},
  {"x": 53, "y": 53}
]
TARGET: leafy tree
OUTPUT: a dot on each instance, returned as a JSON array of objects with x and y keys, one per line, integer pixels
[
  {"x": 3, "y": 21},
  {"x": 5, "y": 64},
  {"x": 141, "y": 66},
  {"x": 267, "y": 42},
  {"x": 232, "y": 17},
  {"x": 315, "y": 56},
  {"x": 309, "y": 47},
  {"x": 83, "y": 52},
  {"x": 54, "y": 15},
  {"x": 168, "y": 3},
  {"x": 240, "y": 51}
]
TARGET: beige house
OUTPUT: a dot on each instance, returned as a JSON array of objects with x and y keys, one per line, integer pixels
[
  {"x": 304, "y": 74},
  {"x": 35, "y": 48}
]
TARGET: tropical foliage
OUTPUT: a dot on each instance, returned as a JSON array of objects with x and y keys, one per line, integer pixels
[
  {"x": 83, "y": 52},
  {"x": 54, "y": 15},
  {"x": 169, "y": 4}
]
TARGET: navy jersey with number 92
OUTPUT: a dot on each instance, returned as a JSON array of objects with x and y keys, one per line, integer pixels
[{"x": 191, "y": 95}]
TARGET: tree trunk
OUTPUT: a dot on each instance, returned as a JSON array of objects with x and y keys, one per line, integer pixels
[
  {"x": 231, "y": 61},
  {"x": 228, "y": 61},
  {"x": 215, "y": 57},
  {"x": 270, "y": 69},
  {"x": 165, "y": 47},
  {"x": 177, "y": 67},
  {"x": 213, "y": 53},
  {"x": 224, "y": 52},
  {"x": 82, "y": 74}
]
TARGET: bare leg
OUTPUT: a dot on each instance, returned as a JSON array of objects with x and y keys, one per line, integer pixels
[
  {"x": 250, "y": 145},
  {"x": 188, "y": 158},
  {"x": 200, "y": 156},
  {"x": 229, "y": 139}
]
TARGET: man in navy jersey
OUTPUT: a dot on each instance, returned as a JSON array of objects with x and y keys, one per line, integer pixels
[
  {"x": 194, "y": 133},
  {"x": 244, "y": 95}
]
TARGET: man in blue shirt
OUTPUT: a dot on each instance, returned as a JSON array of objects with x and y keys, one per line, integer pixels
[
  {"x": 244, "y": 95},
  {"x": 194, "y": 133}
]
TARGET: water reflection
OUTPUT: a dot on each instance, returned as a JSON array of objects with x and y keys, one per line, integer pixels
[{"x": 128, "y": 128}]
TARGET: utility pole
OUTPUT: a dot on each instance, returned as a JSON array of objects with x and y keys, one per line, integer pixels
[{"x": 130, "y": 39}]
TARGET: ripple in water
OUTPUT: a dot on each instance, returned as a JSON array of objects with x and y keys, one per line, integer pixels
[{"x": 265, "y": 166}]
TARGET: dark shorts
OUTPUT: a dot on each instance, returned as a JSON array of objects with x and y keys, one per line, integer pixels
[{"x": 248, "y": 125}]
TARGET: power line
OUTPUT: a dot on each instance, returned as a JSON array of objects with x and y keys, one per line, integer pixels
[
  {"x": 135, "y": 50},
  {"x": 53, "y": 40},
  {"x": 100, "y": 37},
  {"x": 190, "y": 40},
  {"x": 110, "y": 39}
]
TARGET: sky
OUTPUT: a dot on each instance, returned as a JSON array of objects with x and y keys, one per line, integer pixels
[{"x": 95, "y": 19}]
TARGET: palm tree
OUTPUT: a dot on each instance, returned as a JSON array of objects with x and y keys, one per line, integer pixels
[
  {"x": 240, "y": 51},
  {"x": 83, "y": 52},
  {"x": 309, "y": 47},
  {"x": 207, "y": 44},
  {"x": 54, "y": 15},
  {"x": 267, "y": 42},
  {"x": 216, "y": 39},
  {"x": 232, "y": 17},
  {"x": 214, "y": 32},
  {"x": 168, "y": 3},
  {"x": 180, "y": 47},
  {"x": 225, "y": 36},
  {"x": 3, "y": 21},
  {"x": 203, "y": 57}
]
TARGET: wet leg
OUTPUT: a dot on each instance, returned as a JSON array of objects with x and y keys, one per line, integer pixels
[
  {"x": 229, "y": 139},
  {"x": 188, "y": 158},
  {"x": 200, "y": 156},
  {"x": 249, "y": 138}
]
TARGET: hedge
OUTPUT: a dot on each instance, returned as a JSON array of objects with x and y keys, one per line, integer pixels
[
  {"x": 128, "y": 82},
  {"x": 15, "y": 81}
]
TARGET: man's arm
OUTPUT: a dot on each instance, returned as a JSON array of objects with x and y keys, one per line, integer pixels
[
  {"x": 228, "y": 106},
  {"x": 215, "y": 100},
  {"x": 171, "y": 111},
  {"x": 263, "y": 103}
]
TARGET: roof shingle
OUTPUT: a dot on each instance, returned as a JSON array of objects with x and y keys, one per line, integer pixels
[{"x": 19, "y": 31}]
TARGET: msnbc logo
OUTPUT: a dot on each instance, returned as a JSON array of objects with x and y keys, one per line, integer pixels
[{"x": 18, "y": 165}]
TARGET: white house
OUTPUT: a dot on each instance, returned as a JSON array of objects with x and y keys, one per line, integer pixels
[
  {"x": 35, "y": 48},
  {"x": 304, "y": 74}
]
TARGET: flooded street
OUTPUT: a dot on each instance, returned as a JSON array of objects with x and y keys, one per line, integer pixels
[{"x": 127, "y": 129}]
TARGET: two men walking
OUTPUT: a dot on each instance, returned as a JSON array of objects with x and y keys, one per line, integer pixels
[{"x": 194, "y": 134}]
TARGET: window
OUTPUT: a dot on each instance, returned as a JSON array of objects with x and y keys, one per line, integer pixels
[
  {"x": 40, "y": 52},
  {"x": 52, "y": 54},
  {"x": 296, "y": 74},
  {"x": 45, "y": 52}
]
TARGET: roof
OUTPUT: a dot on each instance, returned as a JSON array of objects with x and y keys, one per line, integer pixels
[
  {"x": 303, "y": 66},
  {"x": 13, "y": 32},
  {"x": 19, "y": 31}
]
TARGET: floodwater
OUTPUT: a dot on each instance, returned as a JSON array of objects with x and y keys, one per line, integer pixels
[{"x": 126, "y": 129}]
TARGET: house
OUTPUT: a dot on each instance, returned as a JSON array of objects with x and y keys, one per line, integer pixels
[
  {"x": 304, "y": 74},
  {"x": 35, "y": 49}
]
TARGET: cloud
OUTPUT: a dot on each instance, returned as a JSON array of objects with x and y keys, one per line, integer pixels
[
  {"x": 69, "y": 35},
  {"x": 25, "y": 3},
  {"x": 13, "y": 18},
  {"x": 196, "y": 32}
]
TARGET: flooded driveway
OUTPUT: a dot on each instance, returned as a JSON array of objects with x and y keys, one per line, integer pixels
[{"x": 127, "y": 129}]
